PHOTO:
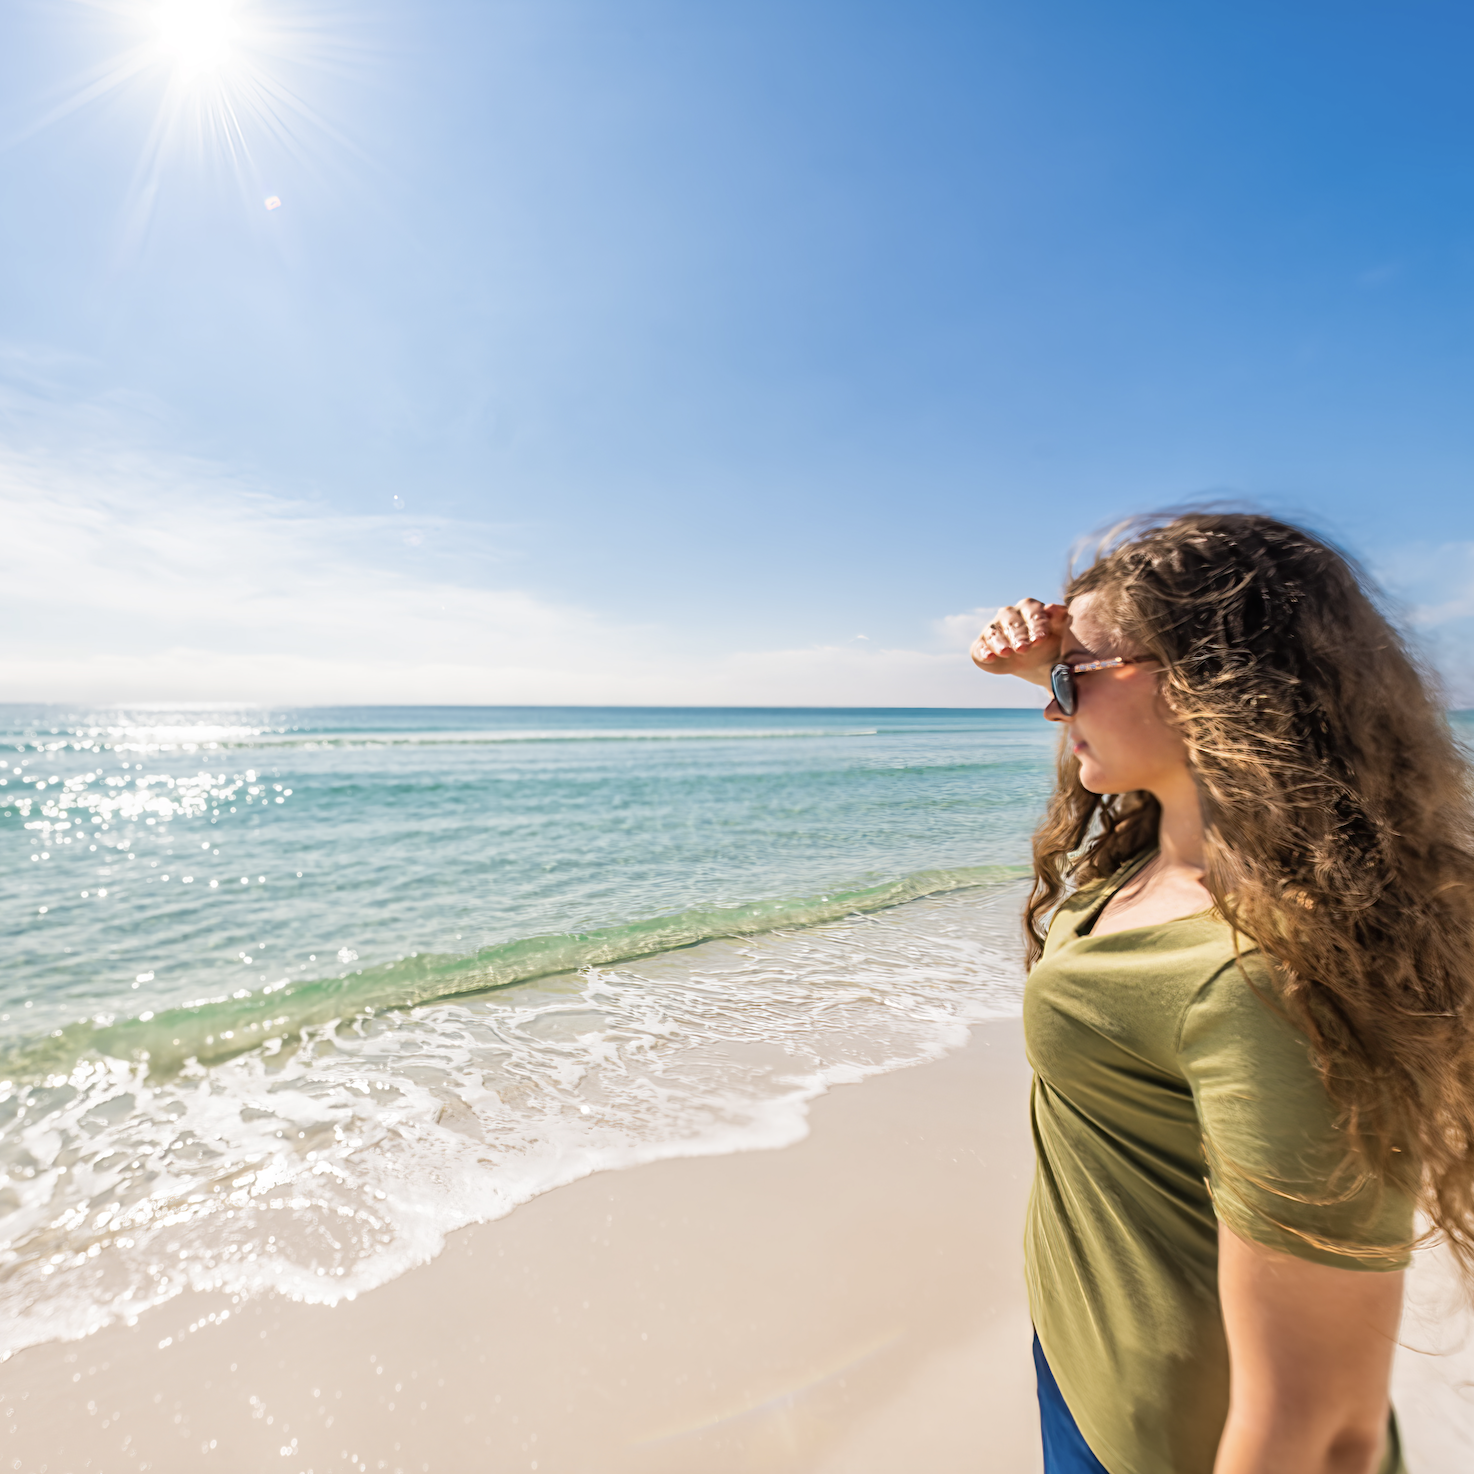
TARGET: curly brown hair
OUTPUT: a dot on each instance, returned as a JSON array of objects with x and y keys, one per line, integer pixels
[{"x": 1337, "y": 815}]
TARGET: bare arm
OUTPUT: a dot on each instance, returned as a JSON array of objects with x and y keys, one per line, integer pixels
[{"x": 1310, "y": 1353}]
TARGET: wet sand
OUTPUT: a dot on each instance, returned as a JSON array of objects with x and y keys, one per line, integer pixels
[{"x": 850, "y": 1305}]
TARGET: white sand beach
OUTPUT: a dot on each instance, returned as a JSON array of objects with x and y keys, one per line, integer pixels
[{"x": 849, "y": 1305}]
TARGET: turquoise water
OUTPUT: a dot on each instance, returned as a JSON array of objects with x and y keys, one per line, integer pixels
[{"x": 290, "y": 994}]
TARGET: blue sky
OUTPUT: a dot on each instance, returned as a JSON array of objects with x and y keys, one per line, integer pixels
[{"x": 713, "y": 352}]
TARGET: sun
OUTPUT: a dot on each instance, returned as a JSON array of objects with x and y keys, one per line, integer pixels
[
  {"x": 197, "y": 35},
  {"x": 221, "y": 76}
]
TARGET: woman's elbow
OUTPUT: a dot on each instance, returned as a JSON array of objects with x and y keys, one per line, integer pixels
[
  {"x": 1287, "y": 1441},
  {"x": 1356, "y": 1450}
]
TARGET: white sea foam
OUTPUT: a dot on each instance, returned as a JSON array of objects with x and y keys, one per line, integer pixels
[{"x": 322, "y": 1170}]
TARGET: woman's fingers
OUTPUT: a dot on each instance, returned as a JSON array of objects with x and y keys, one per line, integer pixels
[
  {"x": 990, "y": 642},
  {"x": 1014, "y": 628},
  {"x": 995, "y": 642},
  {"x": 1019, "y": 637},
  {"x": 1036, "y": 616}
]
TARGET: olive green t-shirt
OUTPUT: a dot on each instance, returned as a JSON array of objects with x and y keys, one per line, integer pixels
[{"x": 1167, "y": 1094}]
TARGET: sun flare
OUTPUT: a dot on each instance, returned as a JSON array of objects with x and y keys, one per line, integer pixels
[
  {"x": 197, "y": 35},
  {"x": 224, "y": 79}
]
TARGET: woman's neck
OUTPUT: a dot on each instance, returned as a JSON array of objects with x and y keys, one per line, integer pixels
[
  {"x": 1171, "y": 886},
  {"x": 1180, "y": 829}
]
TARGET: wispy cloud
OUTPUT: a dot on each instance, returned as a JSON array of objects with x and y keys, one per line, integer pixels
[
  {"x": 1435, "y": 580},
  {"x": 958, "y": 631},
  {"x": 1435, "y": 584},
  {"x": 127, "y": 576}
]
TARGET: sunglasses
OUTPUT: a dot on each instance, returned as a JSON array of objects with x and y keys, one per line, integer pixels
[{"x": 1062, "y": 677}]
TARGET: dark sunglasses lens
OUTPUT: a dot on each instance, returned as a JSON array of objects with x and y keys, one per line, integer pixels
[{"x": 1062, "y": 683}]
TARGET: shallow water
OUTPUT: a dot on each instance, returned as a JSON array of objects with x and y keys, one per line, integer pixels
[{"x": 291, "y": 995}]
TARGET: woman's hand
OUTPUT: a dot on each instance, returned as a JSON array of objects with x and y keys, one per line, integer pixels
[{"x": 1023, "y": 640}]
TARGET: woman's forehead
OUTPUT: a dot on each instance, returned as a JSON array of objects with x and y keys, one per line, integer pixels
[
  {"x": 1081, "y": 616},
  {"x": 1084, "y": 627}
]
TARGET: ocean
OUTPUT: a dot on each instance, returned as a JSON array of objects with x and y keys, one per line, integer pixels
[{"x": 290, "y": 995}]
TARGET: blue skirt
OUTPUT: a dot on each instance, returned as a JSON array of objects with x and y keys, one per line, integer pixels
[{"x": 1065, "y": 1449}]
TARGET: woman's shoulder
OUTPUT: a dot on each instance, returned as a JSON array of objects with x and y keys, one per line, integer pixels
[
  {"x": 1282, "y": 1169},
  {"x": 1237, "y": 1024},
  {"x": 1241, "y": 987}
]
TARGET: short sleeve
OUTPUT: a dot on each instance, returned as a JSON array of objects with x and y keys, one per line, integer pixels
[{"x": 1280, "y": 1170}]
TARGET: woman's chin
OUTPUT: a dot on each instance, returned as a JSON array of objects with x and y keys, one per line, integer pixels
[{"x": 1092, "y": 780}]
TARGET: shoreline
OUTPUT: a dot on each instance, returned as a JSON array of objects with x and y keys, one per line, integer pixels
[
  {"x": 847, "y": 1304},
  {"x": 850, "y": 1304},
  {"x": 330, "y": 1169}
]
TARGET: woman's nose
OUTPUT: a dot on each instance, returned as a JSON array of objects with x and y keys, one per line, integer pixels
[{"x": 1052, "y": 712}]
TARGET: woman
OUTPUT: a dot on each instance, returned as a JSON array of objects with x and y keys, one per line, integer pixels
[{"x": 1250, "y": 1020}]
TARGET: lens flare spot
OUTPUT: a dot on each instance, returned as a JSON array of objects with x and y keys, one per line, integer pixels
[{"x": 273, "y": 202}]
